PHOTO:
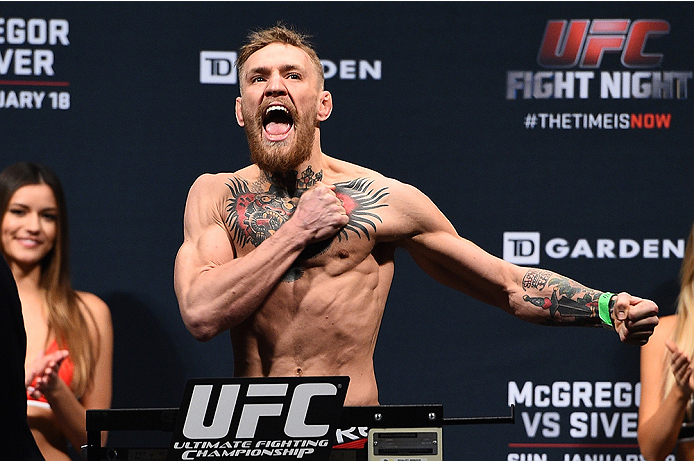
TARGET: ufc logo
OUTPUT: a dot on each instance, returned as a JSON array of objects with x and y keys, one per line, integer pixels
[
  {"x": 295, "y": 425},
  {"x": 584, "y": 43}
]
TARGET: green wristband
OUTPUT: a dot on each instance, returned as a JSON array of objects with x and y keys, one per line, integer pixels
[{"x": 604, "y": 308}]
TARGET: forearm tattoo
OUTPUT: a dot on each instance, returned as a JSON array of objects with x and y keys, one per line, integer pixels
[
  {"x": 255, "y": 212},
  {"x": 568, "y": 301}
]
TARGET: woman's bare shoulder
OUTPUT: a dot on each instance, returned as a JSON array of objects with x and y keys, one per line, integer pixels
[
  {"x": 666, "y": 325},
  {"x": 96, "y": 306},
  {"x": 663, "y": 331}
]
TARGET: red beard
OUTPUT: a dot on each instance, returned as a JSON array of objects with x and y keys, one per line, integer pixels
[{"x": 282, "y": 156}]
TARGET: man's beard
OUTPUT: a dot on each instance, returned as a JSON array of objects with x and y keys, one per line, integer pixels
[{"x": 281, "y": 156}]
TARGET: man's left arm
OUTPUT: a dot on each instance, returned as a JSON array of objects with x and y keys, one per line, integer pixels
[
  {"x": 568, "y": 302},
  {"x": 532, "y": 294}
]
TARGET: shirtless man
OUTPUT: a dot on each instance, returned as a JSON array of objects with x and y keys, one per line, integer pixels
[{"x": 294, "y": 254}]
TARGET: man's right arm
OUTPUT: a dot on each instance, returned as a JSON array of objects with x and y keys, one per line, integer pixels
[{"x": 216, "y": 289}]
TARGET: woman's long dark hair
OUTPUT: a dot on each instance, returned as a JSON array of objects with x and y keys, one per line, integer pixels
[{"x": 67, "y": 320}]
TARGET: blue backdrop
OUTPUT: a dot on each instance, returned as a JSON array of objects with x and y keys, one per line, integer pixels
[{"x": 589, "y": 162}]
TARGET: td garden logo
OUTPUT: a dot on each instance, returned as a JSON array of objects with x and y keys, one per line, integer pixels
[
  {"x": 526, "y": 248},
  {"x": 219, "y": 68}
]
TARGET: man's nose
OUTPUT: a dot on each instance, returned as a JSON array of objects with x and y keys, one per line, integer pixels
[{"x": 275, "y": 86}]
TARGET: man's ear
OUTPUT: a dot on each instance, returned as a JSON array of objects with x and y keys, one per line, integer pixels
[
  {"x": 325, "y": 107},
  {"x": 239, "y": 114}
]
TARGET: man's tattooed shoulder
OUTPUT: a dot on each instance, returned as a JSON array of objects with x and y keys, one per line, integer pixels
[{"x": 360, "y": 201}]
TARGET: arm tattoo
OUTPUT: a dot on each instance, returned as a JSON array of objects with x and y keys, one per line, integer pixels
[
  {"x": 536, "y": 279},
  {"x": 569, "y": 299}
]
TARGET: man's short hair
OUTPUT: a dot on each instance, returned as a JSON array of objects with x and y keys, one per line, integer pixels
[{"x": 279, "y": 33}]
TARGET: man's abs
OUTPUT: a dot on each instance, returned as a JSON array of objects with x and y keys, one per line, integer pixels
[{"x": 325, "y": 330}]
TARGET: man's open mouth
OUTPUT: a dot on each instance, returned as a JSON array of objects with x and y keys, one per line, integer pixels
[{"x": 277, "y": 122}]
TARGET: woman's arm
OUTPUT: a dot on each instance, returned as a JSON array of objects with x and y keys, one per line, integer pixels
[
  {"x": 660, "y": 419},
  {"x": 70, "y": 412}
]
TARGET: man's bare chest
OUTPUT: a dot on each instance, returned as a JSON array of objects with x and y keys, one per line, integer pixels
[{"x": 252, "y": 216}]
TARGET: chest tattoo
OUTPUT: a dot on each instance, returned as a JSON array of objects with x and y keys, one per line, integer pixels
[
  {"x": 359, "y": 202},
  {"x": 252, "y": 217}
]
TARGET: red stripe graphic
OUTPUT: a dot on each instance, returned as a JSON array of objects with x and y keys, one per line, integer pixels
[
  {"x": 358, "y": 444},
  {"x": 29, "y": 83}
]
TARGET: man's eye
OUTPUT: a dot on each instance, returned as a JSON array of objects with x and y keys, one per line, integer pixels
[
  {"x": 257, "y": 79},
  {"x": 294, "y": 76}
]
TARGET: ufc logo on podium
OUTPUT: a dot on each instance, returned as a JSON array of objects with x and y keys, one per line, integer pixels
[
  {"x": 563, "y": 46},
  {"x": 258, "y": 418}
]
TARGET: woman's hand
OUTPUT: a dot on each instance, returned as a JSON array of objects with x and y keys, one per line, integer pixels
[
  {"x": 42, "y": 376},
  {"x": 681, "y": 366}
]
